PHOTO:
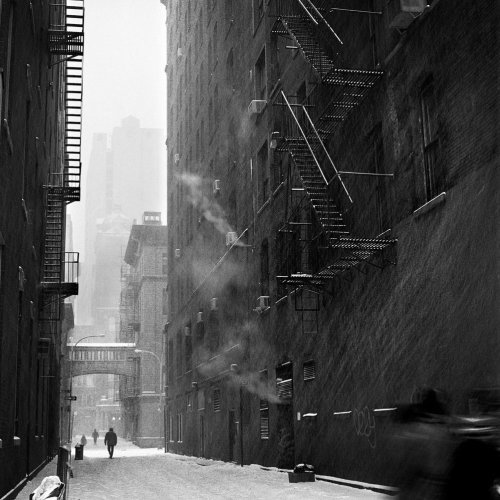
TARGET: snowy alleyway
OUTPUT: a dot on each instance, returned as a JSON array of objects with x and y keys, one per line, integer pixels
[{"x": 150, "y": 474}]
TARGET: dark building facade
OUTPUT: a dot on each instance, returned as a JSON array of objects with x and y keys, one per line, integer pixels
[
  {"x": 40, "y": 108},
  {"x": 333, "y": 223}
]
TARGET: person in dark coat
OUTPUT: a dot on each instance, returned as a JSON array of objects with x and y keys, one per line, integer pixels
[
  {"x": 83, "y": 441},
  {"x": 111, "y": 440},
  {"x": 95, "y": 435}
]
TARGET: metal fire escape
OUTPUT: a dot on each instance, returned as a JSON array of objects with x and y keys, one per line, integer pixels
[
  {"x": 60, "y": 268},
  {"x": 319, "y": 247}
]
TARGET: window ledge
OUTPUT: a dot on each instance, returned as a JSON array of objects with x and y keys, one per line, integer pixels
[{"x": 431, "y": 204}]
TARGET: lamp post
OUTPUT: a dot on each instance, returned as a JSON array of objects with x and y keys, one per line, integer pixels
[
  {"x": 70, "y": 423},
  {"x": 160, "y": 389}
]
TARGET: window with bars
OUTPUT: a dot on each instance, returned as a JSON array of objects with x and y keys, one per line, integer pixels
[
  {"x": 264, "y": 408},
  {"x": 217, "y": 400},
  {"x": 309, "y": 368}
]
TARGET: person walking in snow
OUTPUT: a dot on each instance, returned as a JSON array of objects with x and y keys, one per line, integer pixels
[
  {"x": 83, "y": 441},
  {"x": 111, "y": 440},
  {"x": 95, "y": 435}
]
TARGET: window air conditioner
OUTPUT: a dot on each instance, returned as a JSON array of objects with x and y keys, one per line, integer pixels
[
  {"x": 187, "y": 331},
  {"x": 213, "y": 304},
  {"x": 403, "y": 12},
  {"x": 177, "y": 253},
  {"x": 216, "y": 187},
  {"x": 177, "y": 158},
  {"x": 263, "y": 302},
  {"x": 231, "y": 238},
  {"x": 199, "y": 317},
  {"x": 179, "y": 51},
  {"x": 256, "y": 107}
]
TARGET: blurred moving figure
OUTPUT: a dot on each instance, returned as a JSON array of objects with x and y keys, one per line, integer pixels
[
  {"x": 95, "y": 435},
  {"x": 423, "y": 448},
  {"x": 443, "y": 457},
  {"x": 83, "y": 441}
]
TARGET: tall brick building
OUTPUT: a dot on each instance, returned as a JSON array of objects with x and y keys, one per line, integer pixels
[
  {"x": 41, "y": 50},
  {"x": 333, "y": 223},
  {"x": 143, "y": 316}
]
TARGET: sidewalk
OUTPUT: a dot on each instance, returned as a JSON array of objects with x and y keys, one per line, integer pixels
[{"x": 149, "y": 474}]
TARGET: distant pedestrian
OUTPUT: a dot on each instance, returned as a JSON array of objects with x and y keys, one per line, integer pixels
[
  {"x": 83, "y": 441},
  {"x": 111, "y": 440},
  {"x": 95, "y": 435}
]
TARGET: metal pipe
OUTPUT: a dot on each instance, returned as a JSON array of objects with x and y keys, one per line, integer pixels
[
  {"x": 378, "y": 13},
  {"x": 305, "y": 138},
  {"x": 329, "y": 157},
  {"x": 325, "y": 21},
  {"x": 307, "y": 12},
  {"x": 369, "y": 174}
]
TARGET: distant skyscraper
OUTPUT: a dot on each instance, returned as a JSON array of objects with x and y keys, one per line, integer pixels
[{"x": 124, "y": 180}]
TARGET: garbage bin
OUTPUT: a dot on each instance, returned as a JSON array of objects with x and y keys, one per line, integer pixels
[{"x": 78, "y": 452}]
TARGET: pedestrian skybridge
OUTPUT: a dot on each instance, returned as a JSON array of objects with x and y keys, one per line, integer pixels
[{"x": 104, "y": 357}]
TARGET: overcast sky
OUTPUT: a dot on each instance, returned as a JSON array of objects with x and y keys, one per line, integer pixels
[{"x": 124, "y": 63}]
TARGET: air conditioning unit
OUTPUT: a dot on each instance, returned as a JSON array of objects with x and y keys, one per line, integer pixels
[
  {"x": 256, "y": 107},
  {"x": 263, "y": 302},
  {"x": 199, "y": 317},
  {"x": 216, "y": 187},
  {"x": 177, "y": 253},
  {"x": 187, "y": 331},
  {"x": 231, "y": 238},
  {"x": 179, "y": 52},
  {"x": 403, "y": 12},
  {"x": 177, "y": 158},
  {"x": 213, "y": 304}
]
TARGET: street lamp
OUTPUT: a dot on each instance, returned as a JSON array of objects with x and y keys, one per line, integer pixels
[
  {"x": 70, "y": 423},
  {"x": 160, "y": 389}
]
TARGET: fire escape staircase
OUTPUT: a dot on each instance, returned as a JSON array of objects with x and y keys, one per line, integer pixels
[
  {"x": 60, "y": 268},
  {"x": 309, "y": 126}
]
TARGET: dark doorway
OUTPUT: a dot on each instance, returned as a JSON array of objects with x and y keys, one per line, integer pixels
[
  {"x": 232, "y": 434},
  {"x": 285, "y": 423},
  {"x": 202, "y": 436}
]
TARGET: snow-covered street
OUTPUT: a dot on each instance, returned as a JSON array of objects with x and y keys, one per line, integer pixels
[{"x": 150, "y": 474}]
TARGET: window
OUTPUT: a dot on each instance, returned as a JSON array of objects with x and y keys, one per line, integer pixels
[
  {"x": 180, "y": 428},
  {"x": 433, "y": 172},
  {"x": 263, "y": 174},
  {"x": 188, "y": 346},
  {"x": 171, "y": 429},
  {"x": 309, "y": 368},
  {"x": 216, "y": 400},
  {"x": 264, "y": 409},
  {"x": 258, "y": 12},
  {"x": 201, "y": 399},
  {"x": 179, "y": 353},
  {"x": 264, "y": 268},
  {"x": 170, "y": 366},
  {"x": 260, "y": 76},
  {"x": 164, "y": 302},
  {"x": 164, "y": 263},
  {"x": 230, "y": 69}
]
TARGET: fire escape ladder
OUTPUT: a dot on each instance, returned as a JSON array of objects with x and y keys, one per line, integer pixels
[{"x": 66, "y": 40}]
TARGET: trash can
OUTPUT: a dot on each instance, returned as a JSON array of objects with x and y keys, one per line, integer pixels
[{"x": 78, "y": 452}]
